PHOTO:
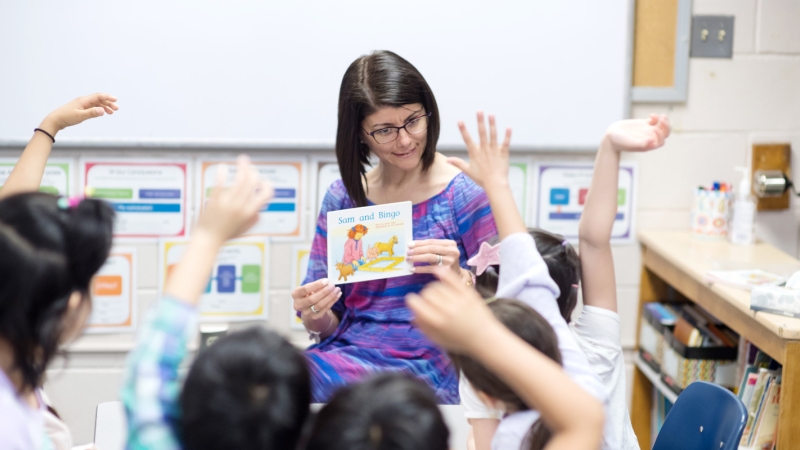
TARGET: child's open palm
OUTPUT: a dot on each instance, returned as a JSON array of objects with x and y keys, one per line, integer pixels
[
  {"x": 488, "y": 160},
  {"x": 638, "y": 135},
  {"x": 233, "y": 210}
]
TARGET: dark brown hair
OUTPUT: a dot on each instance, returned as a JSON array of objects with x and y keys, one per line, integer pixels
[
  {"x": 381, "y": 79},
  {"x": 563, "y": 264},
  {"x": 532, "y": 328}
]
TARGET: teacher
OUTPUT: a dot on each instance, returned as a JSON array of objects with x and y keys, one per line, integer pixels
[{"x": 387, "y": 110}]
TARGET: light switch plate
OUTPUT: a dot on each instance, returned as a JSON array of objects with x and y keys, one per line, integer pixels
[{"x": 712, "y": 37}]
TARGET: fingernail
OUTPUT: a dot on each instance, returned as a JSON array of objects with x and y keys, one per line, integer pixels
[
  {"x": 324, "y": 281},
  {"x": 331, "y": 287},
  {"x": 338, "y": 295},
  {"x": 411, "y": 244},
  {"x": 412, "y": 269},
  {"x": 410, "y": 251},
  {"x": 339, "y": 290}
]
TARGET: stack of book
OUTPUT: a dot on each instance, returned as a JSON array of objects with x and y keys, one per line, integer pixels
[{"x": 760, "y": 392}]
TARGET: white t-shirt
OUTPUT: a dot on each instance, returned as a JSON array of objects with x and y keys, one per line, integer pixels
[
  {"x": 512, "y": 430},
  {"x": 21, "y": 427},
  {"x": 597, "y": 333}
]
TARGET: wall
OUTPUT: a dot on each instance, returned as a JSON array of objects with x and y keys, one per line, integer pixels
[{"x": 732, "y": 103}]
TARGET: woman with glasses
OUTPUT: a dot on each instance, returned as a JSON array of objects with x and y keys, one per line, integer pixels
[{"x": 387, "y": 110}]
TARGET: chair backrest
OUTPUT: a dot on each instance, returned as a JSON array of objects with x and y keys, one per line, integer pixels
[
  {"x": 110, "y": 426},
  {"x": 705, "y": 416}
]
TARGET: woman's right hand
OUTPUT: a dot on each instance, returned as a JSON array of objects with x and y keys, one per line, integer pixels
[{"x": 322, "y": 294}]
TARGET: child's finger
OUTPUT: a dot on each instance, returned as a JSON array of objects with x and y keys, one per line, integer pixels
[
  {"x": 465, "y": 135},
  {"x": 481, "y": 129},
  {"x": 492, "y": 131},
  {"x": 507, "y": 141},
  {"x": 219, "y": 184},
  {"x": 459, "y": 163},
  {"x": 447, "y": 277},
  {"x": 264, "y": 193}
]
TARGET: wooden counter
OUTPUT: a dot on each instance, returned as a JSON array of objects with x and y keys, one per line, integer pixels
[{"x": 680, "y": 261}]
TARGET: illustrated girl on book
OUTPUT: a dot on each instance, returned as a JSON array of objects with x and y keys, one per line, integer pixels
[{"x": 354, "y": 247}]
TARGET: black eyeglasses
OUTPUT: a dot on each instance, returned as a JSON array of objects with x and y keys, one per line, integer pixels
[{"x": 416, "y": 125}]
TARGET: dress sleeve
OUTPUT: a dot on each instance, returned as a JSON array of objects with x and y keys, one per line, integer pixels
[
  {"x": 152, "y": 387},
  {"x": 474, "y": 219},
  {"x": 335, "y": 199}
]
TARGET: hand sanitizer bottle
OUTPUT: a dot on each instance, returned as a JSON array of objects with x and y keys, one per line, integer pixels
[{"x": 742, "y": 231}]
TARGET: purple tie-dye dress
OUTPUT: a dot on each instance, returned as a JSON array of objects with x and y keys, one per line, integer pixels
[{"x": 376, "y": 333}]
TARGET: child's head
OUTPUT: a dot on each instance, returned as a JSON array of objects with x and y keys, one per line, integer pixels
[
  {"x": 249, "y": 390},
  {"x": 562, "y": 261},
  {"x": 51, "y": 249},
  {"x": 532, "y": 328},
  {"x": 388, "y": 411}
]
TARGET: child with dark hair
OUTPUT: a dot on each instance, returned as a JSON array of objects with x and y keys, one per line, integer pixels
[
  {"x": 51, "y": 248},
  {"x": 597, "y": 329},
  {"x": 504, "y": 362},
  {"x": 388, "y": 411},
  {"x": 251, "y": 389},
  {"x": 524, "y": 277}
]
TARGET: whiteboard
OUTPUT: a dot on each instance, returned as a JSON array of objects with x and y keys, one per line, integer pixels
[{"x": 267, "y": 73}]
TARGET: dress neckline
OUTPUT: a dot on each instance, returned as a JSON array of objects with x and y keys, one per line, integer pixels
[{"x": 434, "y": 197}]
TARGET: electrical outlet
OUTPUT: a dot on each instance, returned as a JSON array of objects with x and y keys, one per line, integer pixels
[
  {"x": 712, "y": 37},
  {"x": 772, "y": 157}
]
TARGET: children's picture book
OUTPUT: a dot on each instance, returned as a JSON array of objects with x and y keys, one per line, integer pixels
[{"x": 369, "y": 243}]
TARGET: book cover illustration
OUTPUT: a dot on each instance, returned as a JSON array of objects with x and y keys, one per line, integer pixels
[{"x": 369, "y": 243}]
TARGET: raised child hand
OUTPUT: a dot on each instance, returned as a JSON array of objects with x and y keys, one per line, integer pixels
[
  {"x": 488, "y": 160},
  {"x": 450, "y": 313},
  {"x": 233, "y": 210},
  {"x": 638, "y": 135},
  {"x": 78, "y": 110}
]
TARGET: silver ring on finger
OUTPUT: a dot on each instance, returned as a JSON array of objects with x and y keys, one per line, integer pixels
[
  {"x": 439, "y": 260},
  {"x": 314, "y": 309}
]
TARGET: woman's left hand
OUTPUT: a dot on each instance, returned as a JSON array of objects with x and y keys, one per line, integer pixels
[{"x": 427, "y": 251}]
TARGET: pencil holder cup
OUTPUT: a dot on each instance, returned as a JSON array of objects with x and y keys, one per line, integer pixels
[{"x": 710, "y": 213}]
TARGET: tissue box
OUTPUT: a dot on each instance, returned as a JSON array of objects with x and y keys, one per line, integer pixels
[{"x": 776, "y": 300}]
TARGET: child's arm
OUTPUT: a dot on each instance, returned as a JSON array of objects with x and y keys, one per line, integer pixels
[
  {"x": 454, "y": 316},
  {"x": 151, "y": 389},
  {"x": 523, "y": 273},
  {"x": 27, "y": 173},
  {"x": 600, "y": 210}
]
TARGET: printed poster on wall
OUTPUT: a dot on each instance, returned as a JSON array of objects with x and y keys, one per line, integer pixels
[
  {"x": 114, "y": 294},
  {"x": 518, "y": 181},
  {"x": 282, "y": 216},
  {"x": 58, "y": 178},
  {"x": 238, "y": 286},
  {"x": 300, "y": 257},
  {"x": 327, "y": 173},
  {"x": 561, "y": 195},
  {"x": 150, "y": 196}
]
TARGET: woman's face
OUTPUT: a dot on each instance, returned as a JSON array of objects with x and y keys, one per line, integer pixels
[{"x": 405, "y": 152}]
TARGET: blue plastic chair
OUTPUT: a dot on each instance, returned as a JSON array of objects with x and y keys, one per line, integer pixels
[{"x": 704, "y": 417}]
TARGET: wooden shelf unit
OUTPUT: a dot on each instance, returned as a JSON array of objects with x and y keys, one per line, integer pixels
[{"x": 680, "y": 261}]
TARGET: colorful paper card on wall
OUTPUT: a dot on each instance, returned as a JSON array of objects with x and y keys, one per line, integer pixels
[
  {"x": 113, "y": 292},
  {"x": 300, "y": 256},
  {"x": 518, "y": 180},
  {"x": 282, "y": 216},
  {"x": 369, "y": 243},
  {"x": 561, "y": 195},
  {"x": 149, "y": 196},
  {"x": 327, "y": 173},
  {"x": 237, "y": 289},
  {"x": 58, "y": 178}
]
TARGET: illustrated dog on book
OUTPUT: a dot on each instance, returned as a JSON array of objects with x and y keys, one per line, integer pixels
[
  {"x": 345, "y": 270},
  {"x": 387, "y": 247}
]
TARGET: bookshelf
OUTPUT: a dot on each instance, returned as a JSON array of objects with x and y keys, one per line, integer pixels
[{"x": 679, "y": 261}]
